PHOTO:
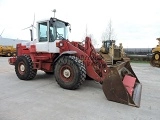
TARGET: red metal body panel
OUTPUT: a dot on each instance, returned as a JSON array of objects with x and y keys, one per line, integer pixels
[
  {"x": 12, "y": 60},
  {"x": 41, "y": 61},
  {"x": 129, "y": 83}
]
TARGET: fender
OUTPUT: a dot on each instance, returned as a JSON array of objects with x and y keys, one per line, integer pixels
[{"x": 65, "y": 53}]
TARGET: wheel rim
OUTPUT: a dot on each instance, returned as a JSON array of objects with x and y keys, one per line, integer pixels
[
  {"x": 66, "y": 73},
  {"x": 21, "y": 68},
  {"x": 9, "y": 55},
  {"x": 156, "y": 56}
]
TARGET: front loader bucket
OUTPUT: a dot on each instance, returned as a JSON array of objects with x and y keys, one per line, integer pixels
[{"x": 122, "y": 85}]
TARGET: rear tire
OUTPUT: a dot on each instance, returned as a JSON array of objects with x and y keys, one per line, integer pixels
[
  {"x": 70, "y": 72},
  {"x": 24, "y": 68}
]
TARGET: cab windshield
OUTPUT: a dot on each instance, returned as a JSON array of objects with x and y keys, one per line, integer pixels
[{"x": 58, "y": 31}]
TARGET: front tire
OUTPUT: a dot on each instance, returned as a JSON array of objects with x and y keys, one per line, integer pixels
[
  {"x": 70, "y": 72},
  {"x": 24, "y": 68},
  {"x": 155, "y": 60}
]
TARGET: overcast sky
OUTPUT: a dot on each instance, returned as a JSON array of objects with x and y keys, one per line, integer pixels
[{"x": 136, "y": 23}]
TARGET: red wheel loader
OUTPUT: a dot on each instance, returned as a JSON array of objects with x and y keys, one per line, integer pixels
[{"x": 72, "y": 61}]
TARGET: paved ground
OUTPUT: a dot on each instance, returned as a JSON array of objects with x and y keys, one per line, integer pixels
[{"x": 43, "y": 99}]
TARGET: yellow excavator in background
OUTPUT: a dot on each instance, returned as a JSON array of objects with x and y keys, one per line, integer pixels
[
  {"x": 112, "y": 53},
  {"x": 155, "y": 60}
]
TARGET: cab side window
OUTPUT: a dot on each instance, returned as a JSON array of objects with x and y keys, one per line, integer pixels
[{"x": 43, "y": 32}]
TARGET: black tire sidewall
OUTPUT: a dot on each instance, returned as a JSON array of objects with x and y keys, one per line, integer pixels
[
  {"x": 75, "y": 69},
  {"x": 27, "y": 68}
]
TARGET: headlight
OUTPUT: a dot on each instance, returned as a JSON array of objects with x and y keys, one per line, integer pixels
[{"x": 60, "y": 44}]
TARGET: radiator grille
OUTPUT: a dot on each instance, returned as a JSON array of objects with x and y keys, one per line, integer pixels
[{"x": 117, "y": 53}]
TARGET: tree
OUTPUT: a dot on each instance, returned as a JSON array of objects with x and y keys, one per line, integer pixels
[
  {"x": 108, "y": 34},
  {"x": 94, "y": 42}
]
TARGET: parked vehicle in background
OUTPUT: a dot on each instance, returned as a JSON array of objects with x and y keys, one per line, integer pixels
[
  {"x": 112, "y": 53},
  {"x": 7, "y": 51},
  {"x": 155, "y": 60}
]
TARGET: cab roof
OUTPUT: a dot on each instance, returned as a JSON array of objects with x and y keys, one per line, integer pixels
[{"x": 54, "y": 19}]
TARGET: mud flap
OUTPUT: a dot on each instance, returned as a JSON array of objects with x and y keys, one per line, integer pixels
[{"x": 122, "y": 85}]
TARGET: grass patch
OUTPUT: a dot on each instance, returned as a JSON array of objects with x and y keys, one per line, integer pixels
[{"x": 135, "y": 61}]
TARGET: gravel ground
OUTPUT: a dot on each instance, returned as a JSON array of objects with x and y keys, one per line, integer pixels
[{"x": 43, "y": 99}]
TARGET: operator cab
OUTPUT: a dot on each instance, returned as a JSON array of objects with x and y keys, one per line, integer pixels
[
  {"x": 49, "y": 32},
  {"x": 107, "y": 44}
]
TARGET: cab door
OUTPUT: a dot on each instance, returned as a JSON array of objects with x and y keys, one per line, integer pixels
[{"x": 46, "y": 40}]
